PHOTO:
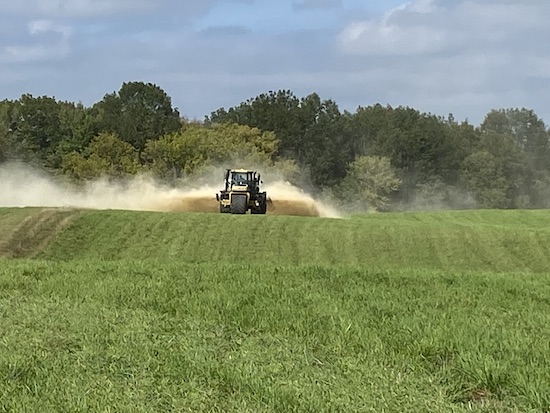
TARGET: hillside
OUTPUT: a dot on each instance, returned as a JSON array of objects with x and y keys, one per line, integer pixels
[
  {"x": 25, "y": 232},
  {"x": 463, "y": 240},
  {"x": 155, "y": 312}
]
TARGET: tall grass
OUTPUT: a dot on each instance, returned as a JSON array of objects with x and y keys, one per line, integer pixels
[
  {"x": 141, "y": 336},
  {"x": 139, "y": 312}
]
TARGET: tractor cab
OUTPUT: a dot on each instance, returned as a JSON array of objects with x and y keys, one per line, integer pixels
[
  {"x": 242, "y": 180},
  {"x": 242, "y": 193}
]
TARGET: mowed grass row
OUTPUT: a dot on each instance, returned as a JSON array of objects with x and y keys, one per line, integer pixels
[
  {"x": 141, "y": 336},
  {"x": 137, "y": 311},
  {"x": 12, "y": 218},
  {"x": 25, "y": 232},
  {"x": 471, "y": 240}
]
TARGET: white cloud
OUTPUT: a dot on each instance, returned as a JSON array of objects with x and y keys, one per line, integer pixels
[
  {"x": 37, "y": 27},
  {"x": 427, "y": 26},
  {"x": 390, "y": 35},
  {"x": 467, "y": 56},
  {"x": 389, "y": 39},
  {"x": 43, "y": 47}
]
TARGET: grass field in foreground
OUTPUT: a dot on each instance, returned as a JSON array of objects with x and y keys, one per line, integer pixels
[
  {"x": 138, "y": 312},
  {"x": 137, "y": 336}
]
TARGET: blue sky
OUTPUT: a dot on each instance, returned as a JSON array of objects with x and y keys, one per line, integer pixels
[{"x": 464, "y": 57}]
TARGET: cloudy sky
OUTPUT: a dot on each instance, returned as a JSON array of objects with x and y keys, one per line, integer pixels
[{"x": 464, "y": 57}]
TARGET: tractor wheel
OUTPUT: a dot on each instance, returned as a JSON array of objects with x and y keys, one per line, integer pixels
[
  {"x": 238, "y": 204},
  {"x": 258, "y": 209},
  {"x": 262, "y": 208}
]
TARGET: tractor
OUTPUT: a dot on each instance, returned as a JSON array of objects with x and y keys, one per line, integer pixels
[{"x": 242, "y": 193}]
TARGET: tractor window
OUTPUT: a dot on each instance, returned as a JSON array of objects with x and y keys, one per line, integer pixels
[{"x": 239, "y": 179}]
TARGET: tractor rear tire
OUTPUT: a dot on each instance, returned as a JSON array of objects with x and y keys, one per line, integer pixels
[
  {"x": 238, "y": 204},
  {"x": 262, "y": 200}
]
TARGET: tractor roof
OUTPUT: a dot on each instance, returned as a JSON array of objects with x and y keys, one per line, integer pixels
[{"x": 242, "y": 170}]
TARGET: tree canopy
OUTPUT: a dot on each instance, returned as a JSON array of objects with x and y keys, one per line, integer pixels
[
  {"x": 138, "y": 113},
  {"x": 381, "y": 157}
]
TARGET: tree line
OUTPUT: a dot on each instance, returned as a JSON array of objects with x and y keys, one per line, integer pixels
[{"x": 376, "y": 157}]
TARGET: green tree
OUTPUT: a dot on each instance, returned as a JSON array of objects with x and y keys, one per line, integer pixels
[
  {"x": 426, "y": 150},
  {"x": 240, "y": 141},
  {"x": 465, "y": 139},
  {"x": 3, "y": 145},
  {"x": 38, "y": 122},
  {"x": 324, "y": 146},
  {"x": 106, "y": 155},
  {"x": 139, "y": 112},
  {"x": 79, "y": 128},
  {"x": 485, "y": 179},
  {"x": 8, "y": 146},
  {"x": 368, "y": 127},
  {"x": 176, "y": 154},
  {"x": 423, "y": 148},
  {"x": 497, "y": 172},
  {"x": 278, "y": 112},
  {"x": 4, "y": 130},
  {"x": 35, "y": 129},
  {"x": 310, "y": 130},
  {"x": 526, "y": 129},
  {"x": 41, "y": 130},
  {"x": 540, "y": 195},
  {"x": 369, "y": 182},
  {"x": 182, "y": 153}
]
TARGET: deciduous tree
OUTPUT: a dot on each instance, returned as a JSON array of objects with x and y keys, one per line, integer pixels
[
  {"x": 106, "y": 155},
  {"x": 369, "y": 182},
  {"x": 525, "y": 128},
  {"x": 184, "y": 152},
  {"x": 138, "y": 113}
]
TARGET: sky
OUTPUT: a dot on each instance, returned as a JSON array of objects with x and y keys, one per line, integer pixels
[{"x": 464, "y": 57}]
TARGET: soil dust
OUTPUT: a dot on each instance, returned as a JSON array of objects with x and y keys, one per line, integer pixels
[{"x": 23, "y": 187}]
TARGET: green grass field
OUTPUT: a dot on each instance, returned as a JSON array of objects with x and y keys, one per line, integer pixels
[{"x": 140, "y": 312}]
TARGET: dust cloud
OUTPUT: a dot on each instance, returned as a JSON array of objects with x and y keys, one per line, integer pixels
[
  {"x": 21, "y": 186},
  {"x": 286, "y": 199}
]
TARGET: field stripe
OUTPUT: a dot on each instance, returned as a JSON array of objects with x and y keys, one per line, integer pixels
[
  {"x": 34, "y": 233},
  {"x": 474, "y": 240}
]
